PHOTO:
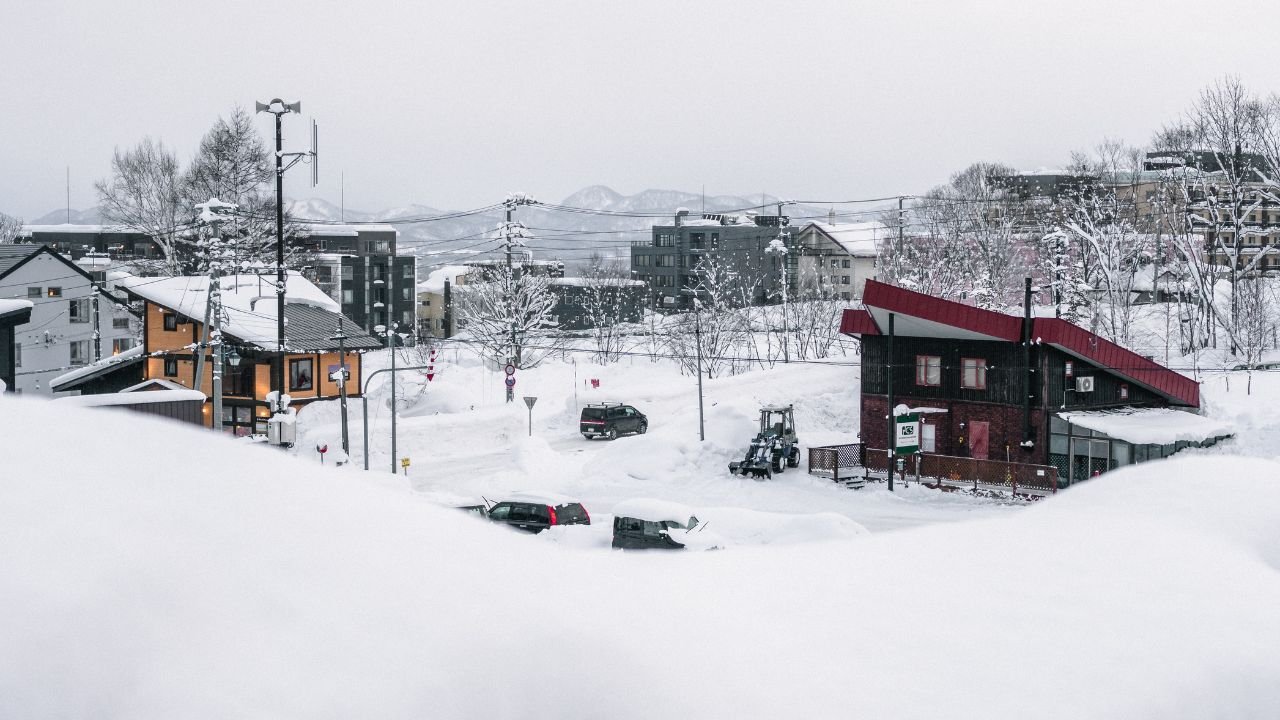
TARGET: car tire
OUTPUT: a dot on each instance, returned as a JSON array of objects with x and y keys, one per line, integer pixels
[
  {"x": 778, "y": 463},
  {"x": 793, "y": 460},
  {"x": 612, "y": 434},
  {"x": 644, "y": 427}
]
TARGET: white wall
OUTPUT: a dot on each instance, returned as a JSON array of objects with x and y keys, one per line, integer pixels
[{"x": 46, "y": 340}]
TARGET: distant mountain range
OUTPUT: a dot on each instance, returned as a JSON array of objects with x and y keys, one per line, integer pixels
[{"x": 565, "y": 232}]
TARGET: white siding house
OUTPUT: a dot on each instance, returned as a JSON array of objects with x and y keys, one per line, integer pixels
[{"x": 61, "y": 333}]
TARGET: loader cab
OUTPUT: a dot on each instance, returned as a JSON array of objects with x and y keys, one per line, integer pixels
[{"x": 777, "y": 421}]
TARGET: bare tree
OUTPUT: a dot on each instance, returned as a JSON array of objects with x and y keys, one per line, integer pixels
[
  {"x": 509, "y": 315},
  {"x": 145, "y": 194},
  {"x": 603, "y": 283},
  {"x": 10, "y": 227}
]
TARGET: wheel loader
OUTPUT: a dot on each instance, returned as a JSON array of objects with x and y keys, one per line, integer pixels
[{"x": 775, "y": 447}]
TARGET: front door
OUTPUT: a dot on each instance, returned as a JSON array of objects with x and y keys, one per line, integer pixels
[{"x": 979, "y": 439}]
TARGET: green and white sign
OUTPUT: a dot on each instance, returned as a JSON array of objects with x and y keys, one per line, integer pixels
[{"x": 906, "y": 434}]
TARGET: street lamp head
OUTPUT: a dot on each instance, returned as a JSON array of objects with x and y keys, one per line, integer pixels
[{"x": 233, "y": 358}]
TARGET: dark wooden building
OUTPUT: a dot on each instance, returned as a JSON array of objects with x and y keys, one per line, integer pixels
[{"x": 1031, "y": 390}]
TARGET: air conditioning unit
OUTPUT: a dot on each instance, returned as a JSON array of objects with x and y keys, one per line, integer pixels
[{"x": 1084, "y": 384}]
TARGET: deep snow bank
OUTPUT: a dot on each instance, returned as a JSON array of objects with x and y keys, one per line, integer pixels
[{"x": 151, "y": 570}]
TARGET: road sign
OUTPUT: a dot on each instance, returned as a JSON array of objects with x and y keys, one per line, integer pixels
[
  {"x": 334, "y": 370},
  {"x": 529, "y": 401},
  {"x": 906, "y": 434},
  {"x": 511, "y": 382},
  {"x": 404, "y": 462},
  {"x": 510, "y": 369}
]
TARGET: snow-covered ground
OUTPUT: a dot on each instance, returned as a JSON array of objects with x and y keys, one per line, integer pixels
[
  {"x": 153, "y": 570},
  {"x": 478, "y": 446}
]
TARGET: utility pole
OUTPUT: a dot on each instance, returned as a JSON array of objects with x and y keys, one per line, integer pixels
[
  {"x": 697, "y": 334},
  {"x": 279, "y": 109},
  {"x": 511, "y": 239},
  {"x": 889, "y": 445},
  {"x": 341, "y": 337},
  {"x": 211, "y": 214},
  {"x": 97, "y": 324}
]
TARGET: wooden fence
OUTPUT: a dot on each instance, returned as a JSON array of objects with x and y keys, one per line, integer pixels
[{"x": 845, "y": 462}]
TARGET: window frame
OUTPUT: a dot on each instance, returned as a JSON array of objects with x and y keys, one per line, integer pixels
[
  {"x": 35, "y": 292},
  {"x": 79, "y": 310},
  {"x": 53, "y": 291},
  {"x": 170, "y": 322},
  {"x": 171, "y": 367},
  {"x": 922, "y": 378},
  {"x": 980, "y": 373},
  {"x": 294, "y": 364}
]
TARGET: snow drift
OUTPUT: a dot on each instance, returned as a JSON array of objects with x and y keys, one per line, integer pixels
[{"x": 157, "y": 571}]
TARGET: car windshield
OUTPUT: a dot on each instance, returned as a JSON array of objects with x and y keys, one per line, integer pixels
[{"x": 592, "y": 413}]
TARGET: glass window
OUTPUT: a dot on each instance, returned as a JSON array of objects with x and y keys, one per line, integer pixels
[
  {"x": 973, "y": 373},
  {"x": 119, "y": 345},
  {"x": 79, "y": 352},
  {"x": 170, "y": 322},
  {"x": 120, "y": 323},
  {"x": 171, "y": 367},
  {"x": 300, "y": 374},
  {"x": 407, "y": 271},
  {"x": 928, "y": 437},
  {"x": 844, "y": 263},
  {"x": 79, "y": 311},
  {"x": 928, "y": 370},
  {"x": 55, "y": 292},
  {"x": 348, "y": 297},
  {"x": 500, "y": 511},
  {"x": 1069, "y": 369},
  {"x": 348, "y": 272},
  {"x": 35, "y": 292},
  {"x": 1124, "y": 391}
]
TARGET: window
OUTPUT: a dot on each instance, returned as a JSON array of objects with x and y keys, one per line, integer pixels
[
  {"x": 844, "y": 279},
  {"x": 1069, "y": 369},
  {"x": 835, "y": 263},
  {"x": 78, "y": 310},
  {"x": 844, "y": 296},
  {"x": 35, "y": 292},
  {"x": 928, "y": 370},
  {"x": 120, "y": 323},
  {"x": 348, "y": 272},
  {"x": 406, "y": 293},
  {"x": 119, "y": 345},
  {"x": 170, "y": 322},
  {"x": 171, "y": 367},
  {"x": 664, "y": 260},
  {"x": 54, "y": 292},
  {"x": 407, "y": 271},
  {"x": 973, "y": 373},
  {"x": 348, "y": 297},
  {"x": 300, "y": 374},
  {"x": 644, "y": 260},
  {"x": 406, "y": 320},
  {"x": 1124, "y": 391},
  {"x": 844, "y": 263},
  {"x": 665, "y": 240},
  {"x": 79, "y": 352},
  {"x": 17, "y": 354},
  {"x": 928, "y": 437}
]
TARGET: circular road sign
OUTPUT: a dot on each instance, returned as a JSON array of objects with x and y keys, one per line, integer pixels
[
  {"x": 511, "y": 382},
  {"x": 510, "y": 369}
]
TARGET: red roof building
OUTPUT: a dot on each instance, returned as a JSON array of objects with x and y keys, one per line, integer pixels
[{"x": 1004, "y": 387}]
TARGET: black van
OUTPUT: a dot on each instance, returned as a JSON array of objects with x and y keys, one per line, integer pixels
[{"x": 610, "y": 420}]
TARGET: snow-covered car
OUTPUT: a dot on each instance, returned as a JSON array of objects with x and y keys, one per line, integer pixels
[
  {"x": 535, "y": 512},
  {"x": 644, "y": 524}
]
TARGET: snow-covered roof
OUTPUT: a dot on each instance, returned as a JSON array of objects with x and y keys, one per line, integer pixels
[
  {"x": 654, "y": 510},
  {"x": 8, "y": 306},
  {"x": 139, "y": 394},
  {"x": 589, "y": 282},
  {"x": 1150, "y": 426},
  {"x": 539, "y": 497},
  {"x": 124, "y": 356},
  {"x": 858, "y": 239},
  {"x": 346, "y": 230},
  {"x": 249, "y": 300},
  {"x": 27, "y": 230},
  {"x": 435, "y": 281}
]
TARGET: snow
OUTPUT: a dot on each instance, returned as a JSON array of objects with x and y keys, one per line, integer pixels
[
  {"x": 122, "y": 356},
  {"x": 435, "y": 281},
  {"x": 1150, "y": 426},
  {"x": 249, "y": 300},
  {"x": 655, "y": 511},
  {"x": 8, "y": 306},
  {"x": 218, "y": 579},
  {"x": 27, "y": 230},
  {"x": 346, "y": 230},
  {"x": 134, "y": 395},
  {"x": 858, "y": 239},
  {"x": 590, "y": 282}
]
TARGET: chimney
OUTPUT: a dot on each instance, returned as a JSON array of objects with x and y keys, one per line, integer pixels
[
  {"x": 831, "y": 216},
  {"x": 680, "y": 215}
]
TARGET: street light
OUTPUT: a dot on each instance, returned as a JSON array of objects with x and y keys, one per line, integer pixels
[{"x": 697, "y": 333}]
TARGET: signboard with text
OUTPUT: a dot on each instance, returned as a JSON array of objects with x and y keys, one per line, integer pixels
[{"x": 906, "y": 434}]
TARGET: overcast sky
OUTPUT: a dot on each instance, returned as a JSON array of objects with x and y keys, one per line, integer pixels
[{"x": 455, "y": 103}]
